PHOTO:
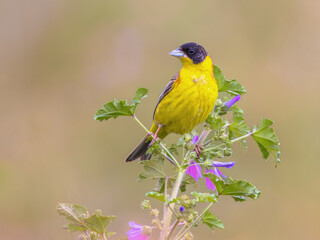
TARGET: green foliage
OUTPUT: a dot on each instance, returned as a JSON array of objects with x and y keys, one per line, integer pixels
[
  {"x": 94, "y": 227},
  {"x": 204, "y": 197},
  {"x": 229, "y": 86},
  {"x": 212, "y": 221},
  {"x": 117, "y": 108},
  {"x": 234, "y": 188},
  {"x": 224, "y": 126},
  {"x": 266, "y": 139},
  {"x": 156, "y": 195},
  {"x": 239, "y": 128},
  {"x": 152, "y": 169}
]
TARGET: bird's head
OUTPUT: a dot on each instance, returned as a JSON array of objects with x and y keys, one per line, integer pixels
[{"x": 190, "y": 53}]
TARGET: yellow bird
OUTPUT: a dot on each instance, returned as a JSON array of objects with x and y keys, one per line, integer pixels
[{"x": 186, "y": 100}]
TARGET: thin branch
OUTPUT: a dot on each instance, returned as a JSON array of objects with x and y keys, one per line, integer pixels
[{"x": 195, "y": 222}]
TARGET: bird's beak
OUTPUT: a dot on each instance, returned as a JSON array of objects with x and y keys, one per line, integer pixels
[{"x": 177, "y": 53}]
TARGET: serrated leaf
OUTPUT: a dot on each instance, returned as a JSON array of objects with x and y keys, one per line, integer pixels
[
  {"x": 141, "y": 93},
  {"x": 118, "y": 108},
  {"x": 216, "y": 122},
  {"x": 234, "y": 188},
  {"x": 114, "y": 109},
  {"x": 98, "y": 223},
  {"x": 239, "y": 128},
  {"x": 152, "y": 169},
  {"x": 160, "y": 185},
  {"x": 72, "y": 212},
  {"x": 229, "y": 86},
  {"x": 212, "y": 221},
  {"x": 239, "y": 198},
  {"x": 266, "y": 139},
  {"x": 156, "y": 195},
  {"x": 73, "y": 227},
  {"x": 205, "y": 197},
  {"x": 81, "y": 221}
]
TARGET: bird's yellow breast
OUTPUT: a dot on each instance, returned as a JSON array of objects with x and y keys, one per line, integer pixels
[{"x": 191, "y": 99}]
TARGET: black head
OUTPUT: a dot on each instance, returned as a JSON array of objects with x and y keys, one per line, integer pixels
[{"x": 194, "y": 51}]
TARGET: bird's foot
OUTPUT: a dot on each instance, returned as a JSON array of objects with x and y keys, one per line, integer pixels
[{"x": 154, "y": 135}]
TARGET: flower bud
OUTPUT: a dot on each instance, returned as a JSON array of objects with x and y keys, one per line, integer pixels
[
  {"x": 220, "y": 155},
  {"x": 154, "y": 212},
  {"x": 188, "y": 236},
  {"x": 227, "y": 151},
  {"x": 145, "y": 204},
  {"x": 208, "y": 163},
  {"x": 146, "y": 230}
]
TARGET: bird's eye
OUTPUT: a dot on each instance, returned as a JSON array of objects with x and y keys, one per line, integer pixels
[{"x": 191, "y": 51}]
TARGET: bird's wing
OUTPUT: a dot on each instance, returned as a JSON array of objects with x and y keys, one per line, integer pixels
[{"x": 166, "y": 90}]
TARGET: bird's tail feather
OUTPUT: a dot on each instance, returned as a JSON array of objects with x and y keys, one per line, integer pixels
[{"x": 140, "y": 152}]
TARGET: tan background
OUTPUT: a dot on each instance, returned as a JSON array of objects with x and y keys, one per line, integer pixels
[{"x": 61, "y": 60}]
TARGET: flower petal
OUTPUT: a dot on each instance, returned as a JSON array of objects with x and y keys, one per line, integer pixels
[
  {"x": 223, "y": 164},
  {"x": 217, "y": 172},
  {"x": 135, "y": 233},
  {"x": 232, "y": 101},
  {"x": 194, "y": 170},
  {"x": 195, "y": 139},
  {"x": 134, "y": 225}
]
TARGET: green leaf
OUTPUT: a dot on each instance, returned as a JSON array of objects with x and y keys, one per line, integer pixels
[
  {"x": 229, "y": 86},
  {"x": 266, "y": 139},
  {"x": 159, "y": 196},
  {"x": 161, "y": 182},
  {"x": 152, "y": 169},
  {"x": 239, "y": 128},
  {"x": 73, "y": 227},
  {"x": 98, "y": 223},
  {"x": 118, "y": 108},
  {"x": 205, "y": 197},
  {"x": 81, "y": 221},
  {"x": 234, "y": 188},
  {"x": 212, "y": 221},
  {"x": 215, "y": 121},
  {"x": 72, "y": 212},
  {"x": 141, "y": 93}
]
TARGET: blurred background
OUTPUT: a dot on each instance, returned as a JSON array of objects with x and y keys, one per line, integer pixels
[{"x": 61, "y": 60}]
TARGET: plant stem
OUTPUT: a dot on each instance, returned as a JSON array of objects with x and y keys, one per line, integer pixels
[
  {"x": 232, "y": 141},
  {"x": 173, "y": 228},
  {"x": 174, "y": 194},
  {"x": 182, "y": 229},
  {"x": 242, "y": 137},
  {"x": 141, "y": 124},
  {"x": 195, "y": 222},
  {"x": 203, "y": 136}
]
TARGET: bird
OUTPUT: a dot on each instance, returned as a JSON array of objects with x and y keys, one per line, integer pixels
[{"x": 186, "y": 100}]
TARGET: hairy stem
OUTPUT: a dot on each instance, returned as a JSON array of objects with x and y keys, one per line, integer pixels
[
  {"x": 173, "y": 228},
  {"x": 174, "y": 194},
  {"x": 195, "y": 222}
]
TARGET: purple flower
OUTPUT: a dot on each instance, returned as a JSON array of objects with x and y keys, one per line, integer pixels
[
  {"x": 217, "y": 172},
  {"x": 195, "y": 139},
  {"x": 181, "y": 209},
  {"x": 138, "y": 232},
  {"x": 194, "y": 170},
  {"x": 209, "y": 183},
  {"x": 223, "y": 164},
  {"x": 232, "y": 101}
]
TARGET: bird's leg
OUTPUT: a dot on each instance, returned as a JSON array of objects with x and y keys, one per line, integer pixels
[{"x": 155, "y": 135}]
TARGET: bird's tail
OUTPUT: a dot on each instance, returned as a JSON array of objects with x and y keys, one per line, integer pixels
[{"x": 140, "y": 152}]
